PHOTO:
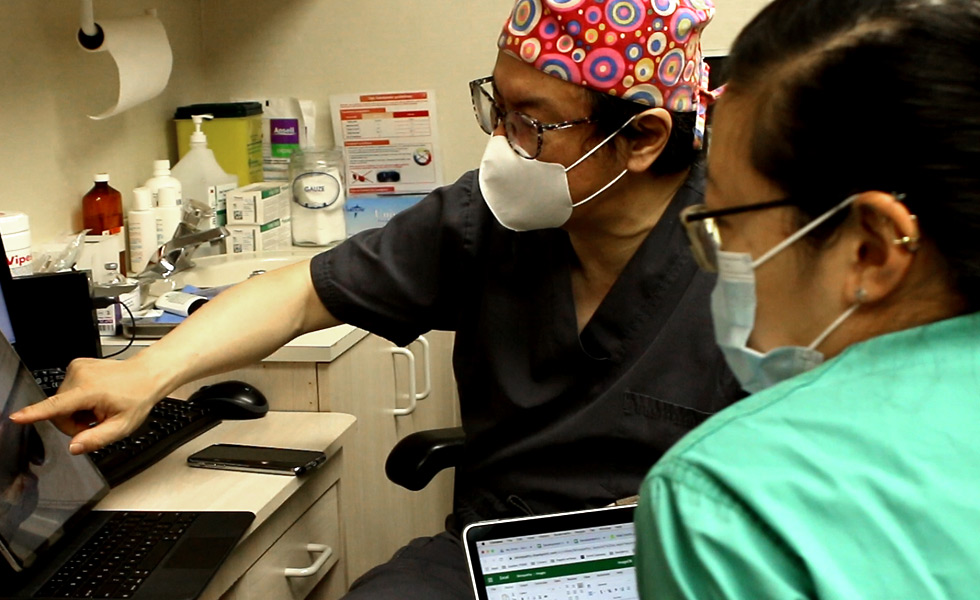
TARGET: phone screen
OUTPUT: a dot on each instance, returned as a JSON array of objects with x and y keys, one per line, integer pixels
[{"x": 257, "y": 458}]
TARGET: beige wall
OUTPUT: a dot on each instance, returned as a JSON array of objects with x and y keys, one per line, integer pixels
[
  {"x": 49, "y": 148},
  {"x": 729, "y": 19},
  {"x": 315, "y": 48},
  {"x": 227, "y": 49}
]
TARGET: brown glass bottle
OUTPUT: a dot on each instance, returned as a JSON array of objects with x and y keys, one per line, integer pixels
[{"x": 102, "y": 207}]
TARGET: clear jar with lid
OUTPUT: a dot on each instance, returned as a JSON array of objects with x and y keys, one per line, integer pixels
[{"x": 316, "y": 178}]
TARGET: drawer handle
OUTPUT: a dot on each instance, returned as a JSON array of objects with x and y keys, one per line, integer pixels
[
  {"x": 427, "y": 369},
  {"x": 325, "y": 553},
  {"x": 412, "y": 395}
]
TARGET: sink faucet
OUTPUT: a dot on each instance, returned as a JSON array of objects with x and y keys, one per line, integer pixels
[{"x": 175, "y": 255}]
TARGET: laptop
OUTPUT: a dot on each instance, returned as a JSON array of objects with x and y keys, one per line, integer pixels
[
  {"x": 53, "y": 543},
  {"x": 582, "y": 555}
]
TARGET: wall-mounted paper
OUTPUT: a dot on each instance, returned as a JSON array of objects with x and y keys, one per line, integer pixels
[{"x": 140, "y": 47}]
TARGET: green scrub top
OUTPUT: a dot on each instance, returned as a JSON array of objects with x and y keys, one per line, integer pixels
[{"x": 859, "y": 479}]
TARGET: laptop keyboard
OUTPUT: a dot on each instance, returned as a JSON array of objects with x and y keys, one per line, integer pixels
[
  {"x": 116, "y": 561},
  {"x": 170, "y": 424}
]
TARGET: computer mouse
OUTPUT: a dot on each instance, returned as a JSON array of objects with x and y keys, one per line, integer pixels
[{"x": 233, "y": 400}]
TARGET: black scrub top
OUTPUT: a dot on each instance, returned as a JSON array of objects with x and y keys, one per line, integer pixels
[{"x": 555, "y": 420}]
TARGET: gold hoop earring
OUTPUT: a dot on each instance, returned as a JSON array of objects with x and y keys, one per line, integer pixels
[{"x": 909, "y": 242}]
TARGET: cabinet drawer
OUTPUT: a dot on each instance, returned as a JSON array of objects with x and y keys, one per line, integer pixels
[{"x": 320, "y": 525}]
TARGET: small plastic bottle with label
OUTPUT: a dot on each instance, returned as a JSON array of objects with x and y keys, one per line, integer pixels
[
  {"x": 162, "y": 178},
  {"x": 124, "y": 290},
  {"x": 167, "y": 215},
  {"x": 142, "y": 230}
]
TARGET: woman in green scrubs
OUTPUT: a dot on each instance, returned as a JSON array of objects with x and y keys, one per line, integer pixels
[{"x": 842, "y": 216}]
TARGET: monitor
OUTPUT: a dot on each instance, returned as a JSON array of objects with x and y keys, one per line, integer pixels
[{"x": 48, "y": 317}]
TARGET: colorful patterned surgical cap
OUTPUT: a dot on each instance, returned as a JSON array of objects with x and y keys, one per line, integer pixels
[{"x": 646, "y": 51}]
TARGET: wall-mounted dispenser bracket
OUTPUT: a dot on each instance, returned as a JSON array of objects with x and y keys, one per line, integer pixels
[{"x": 90, "y": 34}]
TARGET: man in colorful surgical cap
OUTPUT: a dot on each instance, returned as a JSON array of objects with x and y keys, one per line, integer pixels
[{"x": 584, "y": 346}]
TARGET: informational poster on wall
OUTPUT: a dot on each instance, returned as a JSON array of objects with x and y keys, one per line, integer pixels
[{"x": 390, "y": 141}]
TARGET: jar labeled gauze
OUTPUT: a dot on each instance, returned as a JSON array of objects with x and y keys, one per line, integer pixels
[{"x": 318, "y": 198}]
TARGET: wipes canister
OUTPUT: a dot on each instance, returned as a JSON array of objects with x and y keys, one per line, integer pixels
[{"x": 15, "y": 228}]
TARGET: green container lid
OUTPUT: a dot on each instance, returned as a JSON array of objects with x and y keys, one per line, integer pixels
[{"x": 220, "y": 110}]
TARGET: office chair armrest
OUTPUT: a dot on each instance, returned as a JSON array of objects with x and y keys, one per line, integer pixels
[{"x": 418, "y": 457}]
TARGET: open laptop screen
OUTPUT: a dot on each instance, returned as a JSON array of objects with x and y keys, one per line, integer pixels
[
  {"x": 6, "y": 327},
  {"x": 574, "y": 556},
  {"x": 42, "y": 486}
]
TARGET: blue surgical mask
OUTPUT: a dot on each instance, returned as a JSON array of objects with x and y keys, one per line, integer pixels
[{"x": 733, "y": 306}]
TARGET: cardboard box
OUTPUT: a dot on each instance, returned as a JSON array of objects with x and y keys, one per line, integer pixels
[
  {"x": 276, "y": 235},
  {"x": 258, "y": 203},
  {"x": 363, "y": 212}
]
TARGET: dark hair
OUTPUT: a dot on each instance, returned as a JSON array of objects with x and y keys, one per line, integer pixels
[
  {"x": 611, "y": 112},
  {"x": 861, "y": 95}
]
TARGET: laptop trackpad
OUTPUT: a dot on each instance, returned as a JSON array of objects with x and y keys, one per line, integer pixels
[{"x": 199, "y": 553}]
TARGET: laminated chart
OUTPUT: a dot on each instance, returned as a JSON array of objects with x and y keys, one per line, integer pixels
[{"x": 389, "y": 140}]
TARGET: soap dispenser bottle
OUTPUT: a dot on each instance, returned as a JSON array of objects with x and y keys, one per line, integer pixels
[
  {"x": 201, "y": 177},
  {"x": 162, "y": 178}
]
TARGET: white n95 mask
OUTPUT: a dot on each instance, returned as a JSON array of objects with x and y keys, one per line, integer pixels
[
  {"x": 527, "y": 194},
  {"x": 733, "y": 305}
]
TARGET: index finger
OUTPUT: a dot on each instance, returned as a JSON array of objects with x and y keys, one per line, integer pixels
[{"x": 61, "y": 409}]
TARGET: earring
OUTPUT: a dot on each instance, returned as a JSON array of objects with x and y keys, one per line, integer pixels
[
  {"x": 909, "y": 242},
  {"x": 860, "y": 296}
]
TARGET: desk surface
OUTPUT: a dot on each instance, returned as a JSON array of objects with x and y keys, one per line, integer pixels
[
  {"x": 319, "y": 346},
  {"x": 172, "y": 485}
]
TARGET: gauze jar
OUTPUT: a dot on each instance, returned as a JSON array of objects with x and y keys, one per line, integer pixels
[{"x": 316, "y": 178}]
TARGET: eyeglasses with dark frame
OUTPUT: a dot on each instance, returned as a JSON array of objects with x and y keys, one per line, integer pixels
[
  {"x": 702, "y": 230},
  {"x": 524, "y": 132}
]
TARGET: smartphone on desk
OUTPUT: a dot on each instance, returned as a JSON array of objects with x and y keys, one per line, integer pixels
[{"x": 257, "y": 459}]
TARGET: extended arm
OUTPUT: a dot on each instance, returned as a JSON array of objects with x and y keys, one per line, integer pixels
[{"x": 239, "y": 327}]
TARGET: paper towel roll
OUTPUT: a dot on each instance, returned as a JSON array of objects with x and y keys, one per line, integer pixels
[{"x": 141, "y": 50}]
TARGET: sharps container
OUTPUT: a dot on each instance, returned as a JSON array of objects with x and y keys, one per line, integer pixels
[
  {"x": 15, "y": 228},
  {"x": 317, "y": 210},
  {"x": 234, "y": 135}
]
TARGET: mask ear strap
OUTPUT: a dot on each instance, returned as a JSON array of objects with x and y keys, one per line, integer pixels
[
  {"x": 802, "y": 231},
  {"x": 600, "y": 144},
  {"x": 826, "y": 332},
  {"x": 602, "y": 189}
]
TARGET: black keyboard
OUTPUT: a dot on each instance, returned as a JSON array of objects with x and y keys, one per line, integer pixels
[
  {"x": 119, "y": 557},
  {"x": 170, "y": 424}
]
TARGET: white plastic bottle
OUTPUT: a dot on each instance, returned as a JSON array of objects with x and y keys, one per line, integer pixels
[
  {"x": 163, "y": 178},
  {"x": 166, "y": 214},
  {"x": 201, "y": 177},
  {"x": 142, "y": 229}
]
